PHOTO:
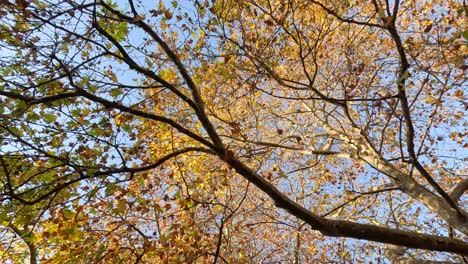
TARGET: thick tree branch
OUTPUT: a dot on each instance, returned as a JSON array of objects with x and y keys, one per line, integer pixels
[
  {"x": 112, "y": 104},
  {"x": 459, "y": 190},
  {"x": 198, "y": 105},
  {"x": 32, "y": 101},
  {"x": 26, "y": 237},
  {"x": 219, "y": 242},
  {"x": 365, "y": 152},
  {"x": 84, "y": 174},
  {"x": 410, "y": 133},
  {"x": 157, "y": 163},
  {"x": 340, "y": 228},
  {"x": 397, "y": 256}
]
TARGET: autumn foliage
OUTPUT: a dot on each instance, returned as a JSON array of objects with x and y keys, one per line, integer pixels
[{"x": 227, "y": 131}]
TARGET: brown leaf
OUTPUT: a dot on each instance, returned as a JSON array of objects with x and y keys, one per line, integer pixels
[
  {"x": 167, "y": 14},
  {"x": 155, "y": 13},
  {"x": 22, "y": 4},
  {"x": 428, "y": 28}
]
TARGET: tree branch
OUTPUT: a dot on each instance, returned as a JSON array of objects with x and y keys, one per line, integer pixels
[
  {"x": 26, "y": 237},
  {"x": 340, "y": 228},
  {"x": 459, "y": 190},
  {"x": 410, "y": 133},
  {"x": 396, "y": 255},
  {"x": 198, "y": 104},
  {"x": 342, "y": 19},
  {"x": 375, "y": 191}
]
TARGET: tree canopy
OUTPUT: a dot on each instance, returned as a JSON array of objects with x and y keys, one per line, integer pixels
[{"x": 255, "y": 131}]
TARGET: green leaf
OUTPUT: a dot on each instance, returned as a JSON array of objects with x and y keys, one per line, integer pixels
[
  {"x": 190, "y": 204},
  {"x": 75, "y": 112},
  {"x": 47, "y": 177},
  {"x": 21, "y": 106},
  {"x": 68, "y": 213},
  {"x": 32, "y": 116},
  {"x": 381, "y": 13},
  {"x": 6, "y": 71},
  {"x": 49, "y": 118},
  {"x": 117, "y": 30},
  {"x": 148, "y": 63},
  {"x": 110, "y": 189},
  {"x": 115, "y": 93},
  {"x": 93, "y": 88}
]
